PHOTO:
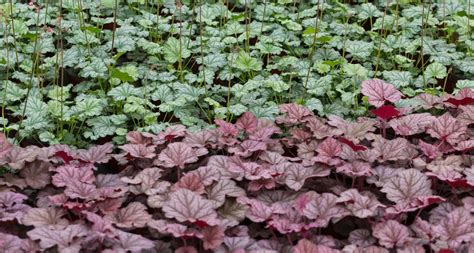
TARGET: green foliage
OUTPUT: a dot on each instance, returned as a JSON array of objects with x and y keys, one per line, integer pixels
[{"x": 200, "y": 62}]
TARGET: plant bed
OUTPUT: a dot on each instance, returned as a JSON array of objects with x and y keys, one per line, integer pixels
[{"x": 399, "y": 182}]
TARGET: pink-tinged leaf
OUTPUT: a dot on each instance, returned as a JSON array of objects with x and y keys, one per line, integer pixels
[
  {"x": 298, "y": 135},
  {"x": 458, "y": 227},
  {"x": 212, "y": 237},
  {"x": 468, "y": 203},
  {"x": 450, "y": 162},
  {"x": 185, "y": 205},
  {"x": 100, "y": 226},
  {"x": 18, "y": 157},
  {"x": 5, "y": 146},
  {"x": 30, "y": 246},
  {"x": 383, "y": 174},
  {"x": 296, "y": 174},
  {"x": 411, "y": 248},
  {"x": 67, "y": 173},
  {"x": 407, "y": 185},
  {"x": 134, "y": 215},
  {"x": 186, "y": 249},
  {"x": 258, "y": 184},
  {"x": 147, "y": 181},
  {"x": 109, "y": 205},
  {"x": 36, "y": 174},
  {"x": 413, "y": 205},
  {"x": 370, "y": 249},
  {"x": 440, "y": 212},
  {"x": 67, "y": 239},
  {"x": 391, "y": 233},
  {"x": 175, "y": 229},
  {"x": 10, "y": 243},
  {"x": 77, "y": 189},
  {"x": 247, "y": 148},
  {"x": 211, "y": 173},
  {"x": 361, "y": 206},
  {"x": 249, "y": 170},
  {"x": 352, "y": 145},
  {"x": 294, "y": 114},
  {"x": 10, "y": 180},
  {"x": 306, "y": 246},
  {"x": 307, "y": 150},
  {"x": 11, "y": 206},
  {"x": 128, "y": 242},
  {"x": 393, "y": 150},
  {"x": 361, "y": 237},
  {"x": 96, "y": 154},
  {"x": 264, "y": 134},
  {"x": 411, "y": 124},
  {"x": 429, "y": 150},
  {"x": 467, "y": 114},
  {"x": 353, "y": 130},
  {"x": 170, "y": 133},
  {"x": 258, "y": 211},
  {"x": 446, "y": 128},
  {"x": 379, "y": 91},
  {"x": 422, "y": 229},
  {"x": 429, "y": 101},
  {"x": 226, "y": 128},
  {"x": 465, "y": 146},
  {"x": 247, "y": 122},
  {"x": 386, "y": 112},
  {"x": 112, "y": 182},
  {"x": 320, "y": 130},
  {"x": 323, "y": 208},
  {"x": 327, "y": 151},
  {"x": 139, "y": 150},
  {"x": 134, "y": 137},
  {"x": 204, "y": 138},
  {"x": 226, "y": 187},
  {"x": 453, "y": 178},
  {"x": 356, "y": 169},
  {"x": 178, "y": 154},
  {"x": 50, "y": 217},
  {"x": 287, "y": 223},
  {"x": 192, "y": 182}
]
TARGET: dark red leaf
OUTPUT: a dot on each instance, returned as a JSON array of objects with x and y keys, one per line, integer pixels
[
  {"x": 386, "y": 112},
  {"x": 462, "y": 101},
  {"x": 352, "y": 145}
]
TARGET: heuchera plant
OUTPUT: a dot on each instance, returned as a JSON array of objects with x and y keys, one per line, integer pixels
[{"x": 399, "y": 182}]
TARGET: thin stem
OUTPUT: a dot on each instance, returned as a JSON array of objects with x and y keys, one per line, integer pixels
[
  {"x": 380, "y": 40},
  {"x": 319, "y": 14},
  {"x": 115, "y": 25}
]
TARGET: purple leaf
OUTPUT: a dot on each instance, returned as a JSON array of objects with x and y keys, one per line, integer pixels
[
  {"x": 391, "y": 233},
  {"x": 379, "y": 91}
]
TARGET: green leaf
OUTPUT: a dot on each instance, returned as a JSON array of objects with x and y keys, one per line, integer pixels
[
  {"x": 89, "y": 107},
  {"x": 109, "y": 3},
  {"x": 355, "y": 70},
  {"x": 436, "y": 70},
  {"x": 124, "y": 91},
  {"x": 123, "y": 76},
  {"x": 104, "y": 125},
  {"x": 309, "y": 31},
  {"x": 246, "y": 63},
  {"x": 173, "y": 51},
  {"x": 276, "y": 83},
  {"x": 398, "y": 78}
]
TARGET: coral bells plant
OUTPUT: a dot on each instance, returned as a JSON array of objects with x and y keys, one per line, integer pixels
[{"x": 401, "y": 181}]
